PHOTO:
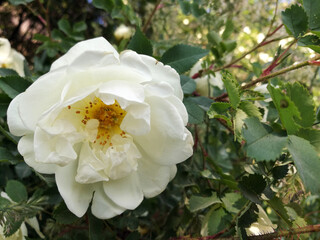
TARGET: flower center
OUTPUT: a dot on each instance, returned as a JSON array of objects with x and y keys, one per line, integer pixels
[{"x": 108, "y": 116}]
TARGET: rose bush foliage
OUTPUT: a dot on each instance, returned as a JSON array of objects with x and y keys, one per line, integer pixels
[
  {"x": 110, "y": 126},
  {"x": 22, "y": 232}
]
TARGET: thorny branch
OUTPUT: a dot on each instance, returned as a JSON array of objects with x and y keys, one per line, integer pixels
[{"x": 269, "y": 236}]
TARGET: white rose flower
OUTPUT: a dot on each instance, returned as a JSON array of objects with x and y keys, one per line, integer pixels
[
  {"x": 204, "y": 82},
  {"x": 22, "y": 232},
  {"x": 110, "y": 126},
  {"x": 123, "y": 31},
  {"x": 10, "y": 58}
]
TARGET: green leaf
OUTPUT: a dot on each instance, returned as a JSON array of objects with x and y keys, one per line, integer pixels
[
  {"x": 41, "y": 37},
  {"x": 16, "y": 191},
  {"x": 13, "y": 85},
  {"x": 232, "y": 88},
  {"x": 296, "y": 20},
  {"x": 196, "y": 10},
  {"x": 261, "y": 143},
  {"x": 280, "y": 172},
  {"x": 65, "y": 26},
  {"x": 233, "y": 202},
  {"x": 277, "y": 205},
  {"x": 185, "y": 7},
  {"x": 219, "y": 107},
  {"x": 228, "y": 45},
  {"x": 80, "y": 26},
  {"x": 4, "y": 104},
  {"x": 6, "y": 156},
  {"x": 229, "y": 27},
  {"x": 140, "y": 43},
  {"x": 96, "y": 227},
  {"x": 195, "y": 112},
  {"x": 214, "y": 221},
  {"x": 257, "y": 69},
  {"x": 203, "y": 102},
  {"x": 312, "y": 8},
  {"x": 250, "y": 109},
  {"x": 252, "y": 186},
  {"x": 12, "y": 224},
  {"x": 248, "y": 216},
  {"x": 310, "y": 41},
  {"x": 303, "y": 101},
  {"x": 188, "y": 84},
  {"x": 287, "y": 110},
  {"x": 103, "y": 4},
  {"x": 182, "y": 57},
  {"x": 7, "y": 72},
  {"x": 17, "y": 2},
  {"x": 4, "y": 202},
  {"x": 197, "y": 203},
  {"x": 22, "y": 170},
  {"x": 306, "y": 161},
  {"x": 134, "y": 236},
  {"x": 214, "y": 38},
  {"x": 63, "y": 216},
  {"x": 312, "y": 135}
]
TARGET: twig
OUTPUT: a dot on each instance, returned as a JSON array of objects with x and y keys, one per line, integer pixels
[
  {"x": 313, "y": 78},
  {"x": 273, "y": 19},
  {"x": 45, "y": 11},
  {"x": 276, "y": 61},
  {"x": 268, "y": 236},
  {"x": 271, "y": 75},
  {"x": 37, "y": 15},
  {"x": 146, "y": 25},
  {"x": 282, "y": 71},
  {"x": 262, "y": 43}
]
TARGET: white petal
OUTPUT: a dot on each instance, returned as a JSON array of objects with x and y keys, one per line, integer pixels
[
  {"x": 173, "y": 172},
  {"x": 217, "y": 80},
  {"x": 154, "y": 177},
  {"x": 164, "y": 73},
  {"x": 164, "y": 90},
  {"x": 126, "y": 192},
  {"x": 17, "y": 62},
  {"x": 103, "y": 207},
  {"x": 24, "y": 230},
  {"x": 33, "y": 222},
  {"x": 15, "y": 122},
  {"x": 40, "y": 96},
  {"x": 53, "y": 148},
  {"x": 93, "y": 59},
  {"x": 168, "y": 142},
  {"x": 5, "y": 48},
  {"x": 159, "y": 89},
  {"x": 88, "y": 168},
  {"x": 180, "y": 108},
  {"x": 5, "y": 195},
  {"x": 96, "y": 44},
  {"x": 196, "y": 68},
  {"x": 25, "y": 147},
  {"x": 124, "y": 92},
  {"x": 89, "y": 80},
  {"x": 137, "y": 120},
  {"x": 76, "y": 196},
  {"x": 135, "y": 62}
]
